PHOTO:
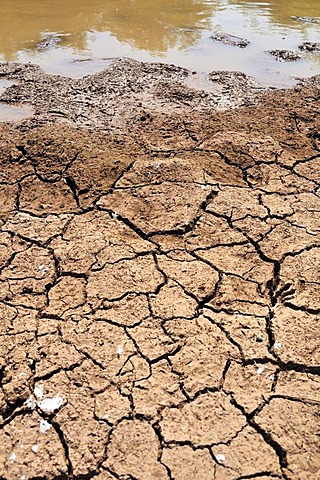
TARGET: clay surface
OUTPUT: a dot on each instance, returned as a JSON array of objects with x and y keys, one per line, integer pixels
[{"x": 159, "y": 279}]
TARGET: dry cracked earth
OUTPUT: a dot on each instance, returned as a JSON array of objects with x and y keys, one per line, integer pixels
[{"x": 159, "y": 296}]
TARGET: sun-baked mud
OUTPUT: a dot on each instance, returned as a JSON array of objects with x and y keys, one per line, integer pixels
[{"x": 159, "y": 288}]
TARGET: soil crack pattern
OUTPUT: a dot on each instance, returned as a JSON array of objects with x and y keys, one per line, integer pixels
[{"x": 159, "y": 279}]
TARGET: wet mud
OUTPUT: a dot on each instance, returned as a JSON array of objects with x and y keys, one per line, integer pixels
[
  {"x": 313, "y": 47},
  {"x": 159, "y": 278},
  {"x": 113, "y": 98},
  {"x": 230, "y": 40},
  {"x": 284, "y": 55}
]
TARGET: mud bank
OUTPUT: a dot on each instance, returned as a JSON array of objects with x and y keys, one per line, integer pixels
[
  {"x": 159, "y": 278},
  {"x": 113, "y": 98}
]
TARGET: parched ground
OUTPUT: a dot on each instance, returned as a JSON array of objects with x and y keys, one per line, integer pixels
[{"x": 160, "y": 290}]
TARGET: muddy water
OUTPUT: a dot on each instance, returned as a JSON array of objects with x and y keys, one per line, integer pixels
[
  {"x": 12, "y": 112},
  {"x": 80, "y": 34}
]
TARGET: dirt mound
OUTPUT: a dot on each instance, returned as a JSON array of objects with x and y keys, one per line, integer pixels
[{"x": 159, "y": 292}]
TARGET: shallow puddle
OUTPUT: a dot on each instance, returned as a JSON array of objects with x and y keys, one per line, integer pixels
[
  {"x": 12, "y": 113},
  {"x": 59, "y": 39},
  {"x": 4, "y": 84}
]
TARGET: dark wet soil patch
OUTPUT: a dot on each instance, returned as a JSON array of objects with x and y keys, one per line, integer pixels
[{"x": 284, "y": 55}]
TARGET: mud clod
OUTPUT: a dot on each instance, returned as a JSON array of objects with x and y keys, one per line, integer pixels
[
  {"x": 313, "y": 47},
  {"x": 285, "y": 55},
  {"x": 230, "y": 40}
]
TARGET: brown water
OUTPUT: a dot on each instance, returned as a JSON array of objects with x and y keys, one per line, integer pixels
[{"x": 172, "y": 31}]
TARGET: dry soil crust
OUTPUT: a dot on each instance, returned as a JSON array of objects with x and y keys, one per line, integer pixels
[{"x": 159, "y": 285}]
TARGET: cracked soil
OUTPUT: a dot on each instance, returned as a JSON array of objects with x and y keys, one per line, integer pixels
[{"x": 159, "y": 279}]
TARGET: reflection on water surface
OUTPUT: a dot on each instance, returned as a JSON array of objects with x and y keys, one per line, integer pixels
[
  {"x": 13, "y": 113},
  {"x": 173, "y": 31}
]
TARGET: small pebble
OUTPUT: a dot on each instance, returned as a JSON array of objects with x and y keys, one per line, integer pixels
[
  {"x": 44, "y": 426},
  {"x": 220, "y": 457},
  {"x": 120, "y": 350},
  {"x": 260, "y": 370},
  {"x": 260, "y": 337}
]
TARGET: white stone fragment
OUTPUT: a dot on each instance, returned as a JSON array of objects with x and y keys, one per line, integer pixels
[
  {"x": 46, "y": 404},
  {"x": 35, "y": 448},
  {"x": 31, "y": 402},
  {"x": 51, "y": 404},
  {"x": 44, "y": 426},
  {"x": 38, "y": 391},
  {"x": 260, "y": 370},
  {"x": 12, "y": 457},
  {"x": 220, "y": 457},
  {"x": 43, "y": 269},
  {"x": 277, "y": 346},
  {"x": 120, "y": 349}
]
